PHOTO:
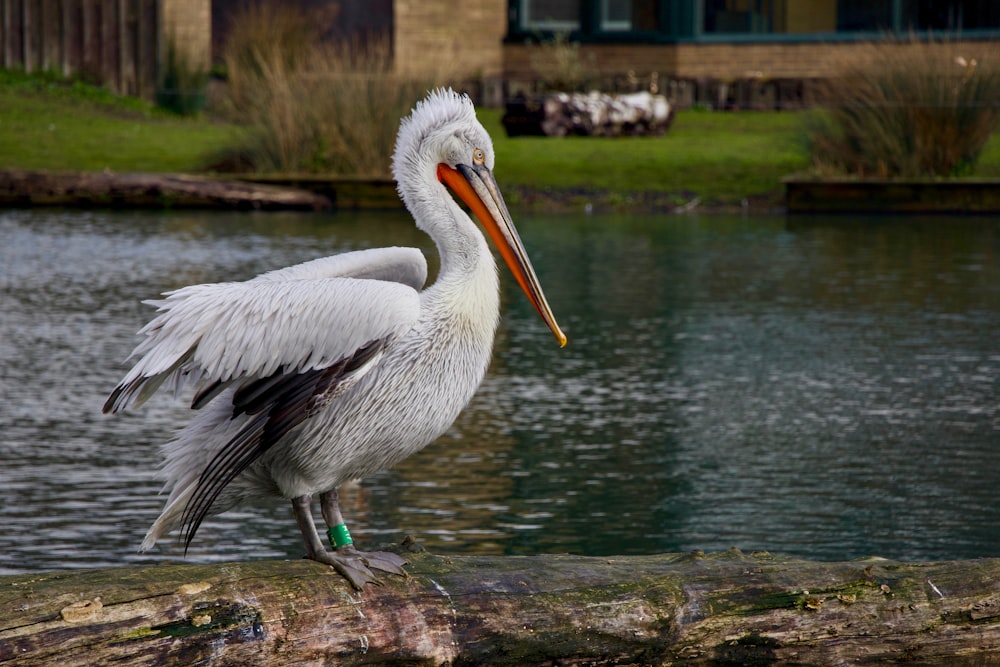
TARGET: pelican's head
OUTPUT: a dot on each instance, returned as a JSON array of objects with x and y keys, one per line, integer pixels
[
  {"x": 442, "y": 128},
  {"x": 442, "y": 142}
]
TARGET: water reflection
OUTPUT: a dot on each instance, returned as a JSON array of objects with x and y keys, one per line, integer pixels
[{"x": 818, "y": 387}]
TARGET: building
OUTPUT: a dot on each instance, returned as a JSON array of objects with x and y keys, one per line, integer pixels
[
  {"x": 719, "y": 52},
  {"x": 751, "y": 52},
  {"x": 733, "y": 52}
]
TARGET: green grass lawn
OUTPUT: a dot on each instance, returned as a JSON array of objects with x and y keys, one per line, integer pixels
[
  {"x": 988, "y": 165},
  {"x": 720, "y": 158},
  {"x": 48, "y": 124}
]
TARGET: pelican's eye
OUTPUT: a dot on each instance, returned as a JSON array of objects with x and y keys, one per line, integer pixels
[{"x": 479, "y": 156}]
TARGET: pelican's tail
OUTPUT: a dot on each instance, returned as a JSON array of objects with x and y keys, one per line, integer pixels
[
  {"x": 185, "y": 458},
  {"x": 169, "y": 518}
]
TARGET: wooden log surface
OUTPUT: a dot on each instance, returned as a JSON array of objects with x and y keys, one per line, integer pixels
[
  {"x": 724, "y": 609},
  {"x": 112, "y": 189}
]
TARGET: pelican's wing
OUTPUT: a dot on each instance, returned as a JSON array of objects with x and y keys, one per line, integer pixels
[
  {"x": 305, "y": 317},
  {"x": 399, "y": 265}
]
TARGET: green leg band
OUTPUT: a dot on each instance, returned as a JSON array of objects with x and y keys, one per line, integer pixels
[{"x": 339, "y": 535}]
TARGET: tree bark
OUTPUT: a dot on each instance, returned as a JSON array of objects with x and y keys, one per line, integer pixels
[
  {"x": 110, "y": 189},
  {"x": 724, "y": 609}
]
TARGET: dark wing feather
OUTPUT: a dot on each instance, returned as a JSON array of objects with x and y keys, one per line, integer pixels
[
  {"x": 239, "y": 453},
  {"x": 205, "y": 395},
  {"x": 277, "y": 403}
]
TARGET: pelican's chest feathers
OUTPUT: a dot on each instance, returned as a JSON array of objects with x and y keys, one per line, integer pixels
[{"x": 464, "y": 310}]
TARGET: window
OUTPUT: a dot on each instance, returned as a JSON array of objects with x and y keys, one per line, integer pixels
[
  {"x": 864, "y": 15},
  {"x": 738, "y": 16},
  {"x": 633, "y": 15},
  {"x": 950, "y": 16},
  {"x": 616, "y": 14},
  {"x": 661, "y": 21},
  {"x": 556, "y": 15}
]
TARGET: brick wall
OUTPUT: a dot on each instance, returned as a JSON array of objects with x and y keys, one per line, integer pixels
[
  {"x": 804, "y": 60},
  {"x": 449, "y": 38}
]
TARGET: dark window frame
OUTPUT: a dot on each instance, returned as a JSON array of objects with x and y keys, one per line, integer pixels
[{"x": 682, "y": 21}]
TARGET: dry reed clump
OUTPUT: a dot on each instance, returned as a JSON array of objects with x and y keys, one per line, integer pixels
[
  {"x": 913, "y": 108},
  {"x": 560, "y": 65},
  {"x": 316, "y": 106}
]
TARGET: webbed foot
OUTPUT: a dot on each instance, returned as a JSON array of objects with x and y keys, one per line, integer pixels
[{"x": 356, "y": 566}]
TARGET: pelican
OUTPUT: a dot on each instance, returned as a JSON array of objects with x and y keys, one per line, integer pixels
[{"x": 313, "y": 375}]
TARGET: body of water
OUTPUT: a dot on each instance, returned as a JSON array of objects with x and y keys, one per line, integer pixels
[{"x": 818, "y": 387}]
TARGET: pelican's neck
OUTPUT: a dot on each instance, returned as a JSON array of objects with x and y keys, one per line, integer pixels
[
  {"x": 459, "y": 241},
  {"x": 467, "y": 281},
  {"x": 464, "y": 253}
]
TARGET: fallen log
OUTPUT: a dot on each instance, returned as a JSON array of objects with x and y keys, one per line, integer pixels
[
  {"x": 140, "y": 190},
  {"x": 691, "y": 609},
  {"x": 592, "y": 114},
  {"x": 343, "y": 192}
]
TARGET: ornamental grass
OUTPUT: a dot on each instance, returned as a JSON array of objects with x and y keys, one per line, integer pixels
[
  {"x": 316, "y": 105},
  {"x": 909, "y": 108}
]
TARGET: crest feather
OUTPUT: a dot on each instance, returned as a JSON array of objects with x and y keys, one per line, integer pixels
[{"x": 441, "y": 107}]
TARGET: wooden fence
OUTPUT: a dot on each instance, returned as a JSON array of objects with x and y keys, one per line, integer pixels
[{"x": 113, "y": 43}]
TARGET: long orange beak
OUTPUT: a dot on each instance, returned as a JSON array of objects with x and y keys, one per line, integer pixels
[{"x": 478, "y": 189}]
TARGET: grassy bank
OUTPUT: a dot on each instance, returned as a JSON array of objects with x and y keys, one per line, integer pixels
[
  {"x": 49, "y": 124},
  {"x": 718, "y": 158}
]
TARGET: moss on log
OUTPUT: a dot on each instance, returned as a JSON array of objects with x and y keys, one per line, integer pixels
[{"x": 725, "y": 609}]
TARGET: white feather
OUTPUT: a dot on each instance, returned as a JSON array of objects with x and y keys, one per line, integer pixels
[
  {"x": 401, "y": 265},
  {"x": 300, "y": 317}
]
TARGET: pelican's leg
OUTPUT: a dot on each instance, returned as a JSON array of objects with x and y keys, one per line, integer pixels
[
  {"x": 386, "y": 561},
  {"x": 350, "y": 565}
]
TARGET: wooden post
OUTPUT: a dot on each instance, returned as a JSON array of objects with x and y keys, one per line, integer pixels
[
  {"x": 114, "y": 43},
  {"x": 108, "y": 46},
  {"x": 147, "y": 47},
  {"x": 4, "y": 29},
  {"x": 730, "y": 608},
  {"x": 52, "y": 20},
  {"x": 12, "y": 56},
  {"x": 72, "y": 35},
  {"x": 127, "y": 29},
  {"x": 29, "y": 34},
  {"x": 90, "y": 40}
]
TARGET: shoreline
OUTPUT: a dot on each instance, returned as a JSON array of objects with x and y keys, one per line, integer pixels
[
  {"x": 122, "y": 190},
  {"x": 25, "y": 189}
]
